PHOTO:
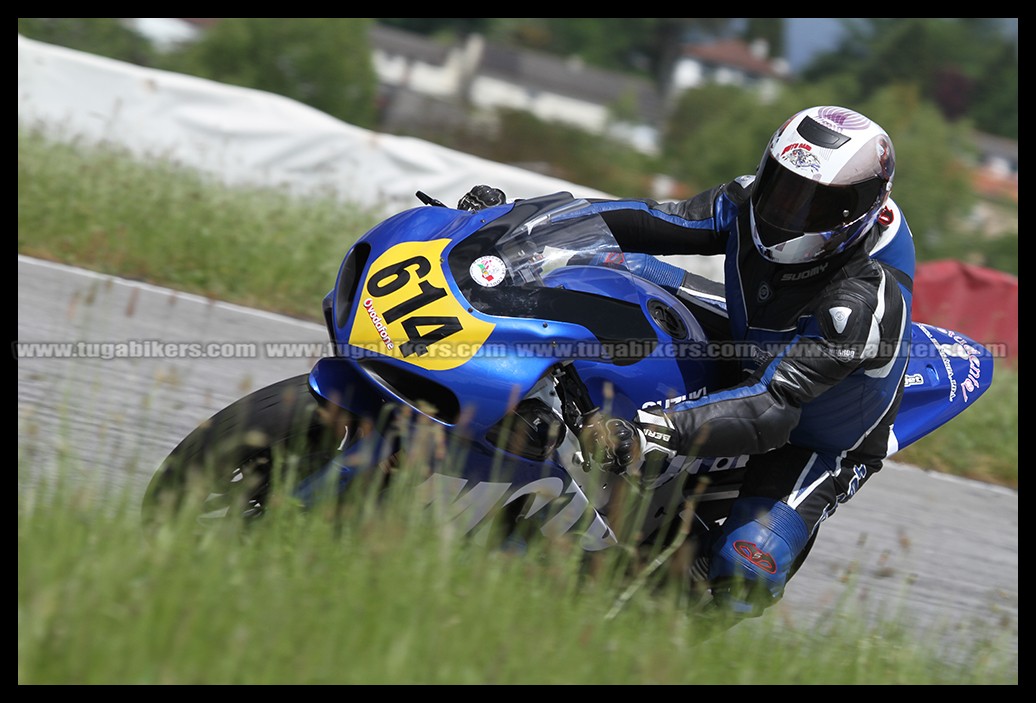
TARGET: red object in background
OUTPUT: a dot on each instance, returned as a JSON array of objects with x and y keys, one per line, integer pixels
[{"x": 978, "y": 302}]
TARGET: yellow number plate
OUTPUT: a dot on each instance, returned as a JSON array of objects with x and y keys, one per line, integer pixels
[{"x": 406, "y": 310}]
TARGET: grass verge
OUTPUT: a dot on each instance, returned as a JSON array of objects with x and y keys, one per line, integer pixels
[{"x": 398, "y": 596}]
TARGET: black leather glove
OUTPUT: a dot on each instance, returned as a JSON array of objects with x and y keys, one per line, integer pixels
[
  {"x": 481, "y": 197},
  {"x": 620, "y": 446},
  {"x": 611, "y": 444}
]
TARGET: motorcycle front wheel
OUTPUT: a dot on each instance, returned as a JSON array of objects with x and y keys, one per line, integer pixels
[{"x": 228, "y": 465}]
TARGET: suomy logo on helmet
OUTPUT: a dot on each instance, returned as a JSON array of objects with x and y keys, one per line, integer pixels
[{"x": 846, "y": 119}]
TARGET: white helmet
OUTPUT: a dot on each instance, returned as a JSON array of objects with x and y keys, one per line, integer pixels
[{"x": 822, "y": 182}]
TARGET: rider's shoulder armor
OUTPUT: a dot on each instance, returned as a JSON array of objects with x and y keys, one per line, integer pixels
[
  {"x": 844, "y": 311},
  {"x": 740, "y": 189}
]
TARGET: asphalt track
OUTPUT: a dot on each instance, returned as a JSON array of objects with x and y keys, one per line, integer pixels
[{"x": 935, "y": 553}]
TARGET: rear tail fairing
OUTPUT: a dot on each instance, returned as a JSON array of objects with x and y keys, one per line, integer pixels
[{"x": 945, "y": 375}]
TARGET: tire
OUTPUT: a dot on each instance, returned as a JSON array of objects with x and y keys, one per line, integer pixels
[{"x": 228, "y": 465}]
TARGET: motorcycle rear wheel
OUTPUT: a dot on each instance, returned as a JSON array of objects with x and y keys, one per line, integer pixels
[{"x": 228, "y": 465}]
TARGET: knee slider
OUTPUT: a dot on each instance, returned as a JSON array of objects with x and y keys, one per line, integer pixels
[{"x": 753, "y": 556}]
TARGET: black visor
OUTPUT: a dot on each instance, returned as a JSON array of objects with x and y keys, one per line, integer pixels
[{"x": 791, "y": 204}]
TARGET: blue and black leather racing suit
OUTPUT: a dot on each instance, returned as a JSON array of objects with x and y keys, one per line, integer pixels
[{"x": 816, "y": 407}]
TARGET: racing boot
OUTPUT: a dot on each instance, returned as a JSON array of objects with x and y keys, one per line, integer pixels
[{"x": 751, "y": 561}]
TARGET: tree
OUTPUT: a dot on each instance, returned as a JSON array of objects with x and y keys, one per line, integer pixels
[
  {"x": 995, "y": 106},
  {"x": 323, "y": 62},
  {"x": 717, "y": 132},
  {"x": 104, "y": 36},
  {"x": 614, "y": 43},
  {"x": 769, "y": 28},
  {"x": 933, "y": 174},
  {"x": 963, "y": 65}
]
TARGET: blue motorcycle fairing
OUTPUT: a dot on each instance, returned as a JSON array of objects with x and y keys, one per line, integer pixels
[
  {"x": 367, "y": 398},
  {"x": 578, "y": 312},
  {"x": 678, "y": 365},
  {"x": 470, "y": 454},
  {"x": 476, "y": 476},
  {"x": 672, "y": 361},
  {"x": 946, "y": 373},
  {"x": 622, "y": 375},
  {"x": 417, "y": 224},
  {"x": 342, "y": 383}
]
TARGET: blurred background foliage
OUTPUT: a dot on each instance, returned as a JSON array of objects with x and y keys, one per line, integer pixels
[{"x": 930, "y": 82}]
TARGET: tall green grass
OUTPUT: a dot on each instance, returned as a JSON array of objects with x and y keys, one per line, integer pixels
[
  {"x": 398, "y": 595},
  {"x": 156, "y": 221}
]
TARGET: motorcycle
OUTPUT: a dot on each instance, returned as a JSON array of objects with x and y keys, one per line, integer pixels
[{"x": 507, "y": 330}]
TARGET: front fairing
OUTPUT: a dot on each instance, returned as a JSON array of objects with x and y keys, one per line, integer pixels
[
  {"x": 472, "y": 309},
  {"x": 462, "y": 316}
]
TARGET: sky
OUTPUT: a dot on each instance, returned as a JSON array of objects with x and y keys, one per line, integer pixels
[{"x": 807, "y": 36}]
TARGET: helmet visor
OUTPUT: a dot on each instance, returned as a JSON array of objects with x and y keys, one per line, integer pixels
[
  {"x": 788, "y": 205},
  {"x": 784, "y": 247}
]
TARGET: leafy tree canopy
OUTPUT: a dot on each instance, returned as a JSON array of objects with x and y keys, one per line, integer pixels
[
  {"x": 323, "y": 62},
  {"x": 104, "y": 36},
  {"x": 967, "y": 66}
]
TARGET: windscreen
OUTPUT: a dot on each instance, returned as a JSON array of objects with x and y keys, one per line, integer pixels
[{"x": 551, "y": 258}]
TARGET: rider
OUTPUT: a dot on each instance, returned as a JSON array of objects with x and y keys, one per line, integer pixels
[{"x": 818, "y": 274}]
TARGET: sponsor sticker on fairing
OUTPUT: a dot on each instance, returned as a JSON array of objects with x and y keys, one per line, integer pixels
[{"x": 488, "y": 271}]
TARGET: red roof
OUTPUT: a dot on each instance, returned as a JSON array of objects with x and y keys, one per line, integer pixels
[{"x": 734, "y": 53}]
